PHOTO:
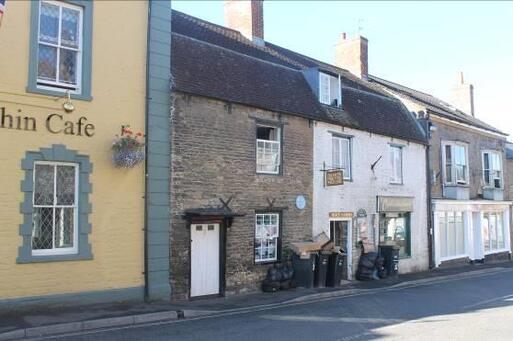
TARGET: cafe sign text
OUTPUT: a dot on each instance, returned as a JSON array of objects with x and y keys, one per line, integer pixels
[{"x": 55, "y": 123}]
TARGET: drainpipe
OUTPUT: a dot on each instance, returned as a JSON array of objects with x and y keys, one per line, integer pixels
[
  {"x": 430, "y": 229},
  {"x": 145, "y": 228}
]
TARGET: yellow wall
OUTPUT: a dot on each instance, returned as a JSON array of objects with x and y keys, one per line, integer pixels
[{"x": 118, "y": 90}]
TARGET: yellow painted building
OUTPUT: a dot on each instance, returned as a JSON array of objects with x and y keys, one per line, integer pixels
[{"x": 70, "y": 220}]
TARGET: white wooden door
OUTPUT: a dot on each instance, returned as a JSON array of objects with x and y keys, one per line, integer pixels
[{"x": 204, "y": 259}]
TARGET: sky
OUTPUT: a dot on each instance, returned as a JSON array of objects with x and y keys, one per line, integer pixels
[{"x": 423, "y": 45}]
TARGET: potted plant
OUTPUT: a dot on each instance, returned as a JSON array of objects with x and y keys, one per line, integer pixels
[{"x": 128, "y": 149}]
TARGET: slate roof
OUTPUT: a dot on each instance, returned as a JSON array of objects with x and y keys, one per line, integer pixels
[
  {"x": 434, "y": 105},
  {"x": 208, "y": 70},
  {"x": 218, "y": 62}
]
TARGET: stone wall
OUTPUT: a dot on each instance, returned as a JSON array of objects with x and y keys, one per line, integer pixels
[
  {"x": 213, "y": 156},
  {"x": 477, "y": 142}
]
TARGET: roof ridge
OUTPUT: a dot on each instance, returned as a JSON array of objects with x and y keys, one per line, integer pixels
[
  {"x": 442, "y": 105},
  {"x": 236, "y": 52},
  {"x": 404, "y": 86},
  {"x": 234, "y": 34}
]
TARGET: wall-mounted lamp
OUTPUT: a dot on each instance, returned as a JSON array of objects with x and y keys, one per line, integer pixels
[{"x": 68, "y": 105}]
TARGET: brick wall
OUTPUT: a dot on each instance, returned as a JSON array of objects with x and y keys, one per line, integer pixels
[{"x": 213, "y": 156}]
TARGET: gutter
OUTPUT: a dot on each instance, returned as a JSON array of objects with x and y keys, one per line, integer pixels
[{"x": 146, "y": 110}]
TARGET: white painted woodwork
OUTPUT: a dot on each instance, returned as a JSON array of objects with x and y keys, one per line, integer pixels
[{"x": 204, "y": 259}]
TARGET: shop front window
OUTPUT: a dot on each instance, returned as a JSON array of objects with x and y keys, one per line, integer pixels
[
  {"x": 452, "y": 234},
  {"x": 493, "y": 232},
  {"x": 395, "y": 230}
]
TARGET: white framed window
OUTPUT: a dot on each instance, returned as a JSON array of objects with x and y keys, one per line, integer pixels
[
  {"x": 396, "y": 162},
  {"x": 329, "y": 90},
  {"x": 268, "y": 158},
  {"x": 455, "y": 163},
  {"x": 451, "y": 231},
  {"x": 59, "y": 57},
  {"x": 55, "y": 213},
  {"x": 267, "y": 233},
  {"x": 341, "y": 155},
  {"x": 492, "y": 169},
  {"x": 493, "y": 232}
]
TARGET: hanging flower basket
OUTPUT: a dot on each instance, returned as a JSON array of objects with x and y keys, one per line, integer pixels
[{"x": 128, "y": 149}]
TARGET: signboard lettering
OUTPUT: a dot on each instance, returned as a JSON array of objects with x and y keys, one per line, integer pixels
[
  {"x": 54, "y": 123},
  {"x": 334, "y": 178},
  {"x": 341, "y": 214}
]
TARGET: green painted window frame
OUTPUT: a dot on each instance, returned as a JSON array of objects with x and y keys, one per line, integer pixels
[
  {"x": 87, "y": 31},
  {"x": 56, "y": 153}
]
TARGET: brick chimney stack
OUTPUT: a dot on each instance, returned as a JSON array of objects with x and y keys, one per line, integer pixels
[
  {"x": 463, "y": 96},
  {"x": 246, "y": 16},
  {"x": 352, "y": 55}
]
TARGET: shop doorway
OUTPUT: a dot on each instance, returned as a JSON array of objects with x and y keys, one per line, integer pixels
[
  {"x": 205, "y": 259},
  {"x": 341, "y": 236}
]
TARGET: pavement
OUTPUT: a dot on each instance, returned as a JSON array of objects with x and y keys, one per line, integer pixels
[{"x": 47, "y": 321}]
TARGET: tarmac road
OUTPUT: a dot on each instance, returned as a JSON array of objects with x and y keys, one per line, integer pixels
[{"x": 479, "y": 308}]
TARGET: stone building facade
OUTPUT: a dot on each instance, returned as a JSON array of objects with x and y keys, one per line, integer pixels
[
  {"x": 214, "y": 158},
  {"x": 471, "y": 214}
]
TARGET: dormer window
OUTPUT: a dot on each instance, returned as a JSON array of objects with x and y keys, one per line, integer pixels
[{"x": 329, "y": 90}]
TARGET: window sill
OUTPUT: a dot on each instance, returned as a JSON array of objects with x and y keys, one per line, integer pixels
[
  {"x": 56, "y": 93},
  {"x": 456, "y": 185},
  {"x": 265, "y": 173},
  {"x": 396, "y": 183},
  {"x": 53, "y": 258},
  {"x": 496, "y": 251},
  {"x": 448, "y": 258},
  {"x": 267, "y": 262}
]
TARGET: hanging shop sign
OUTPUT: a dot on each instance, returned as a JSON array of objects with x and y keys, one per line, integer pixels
[
  {"x": 334, "y": 178},
  {"x": 55, "y": 123}
]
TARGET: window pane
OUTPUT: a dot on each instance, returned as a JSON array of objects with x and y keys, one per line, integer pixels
[
  {"x": 68, "y": 67},
  {"x": 451, "y": 235},
  {"x": 396, "y": 231},
  {"x": 500, "y": 232},
  {"x": 268, "y": 156},
  {"x": 448, "y": 164},
  {"x": 460, "y": 157},
  {"x": 344, "y": 156},
  {"x": 325, "y": 89},
  {"x": 496, "y": 162},
  {"x": 69, "y": 27},
  {"x": 442, "y": 224},
  {"x": 49, "y": 23},
  {"x": 486, "y": 233},
  {"x": 42, "y": 228},
  {"x": 64, "y": 225},
  {"x": 460, "y": 234},
  {"x": 335, "y": 152},
  {"x": 43, "y": 184},
  {"x": 266, "y": 236},
  {"x": 65, "y": 185},
  {"x": 47, "y": 63},
  {"x": 493, "y": 231}
]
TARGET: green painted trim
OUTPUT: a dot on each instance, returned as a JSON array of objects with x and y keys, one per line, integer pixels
[
  {"x": 57, "y": 152},
  {"x": 158, "y": 169},
  {"x": 87, "y": 48},
  {"x": 76, "y": 299}
]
